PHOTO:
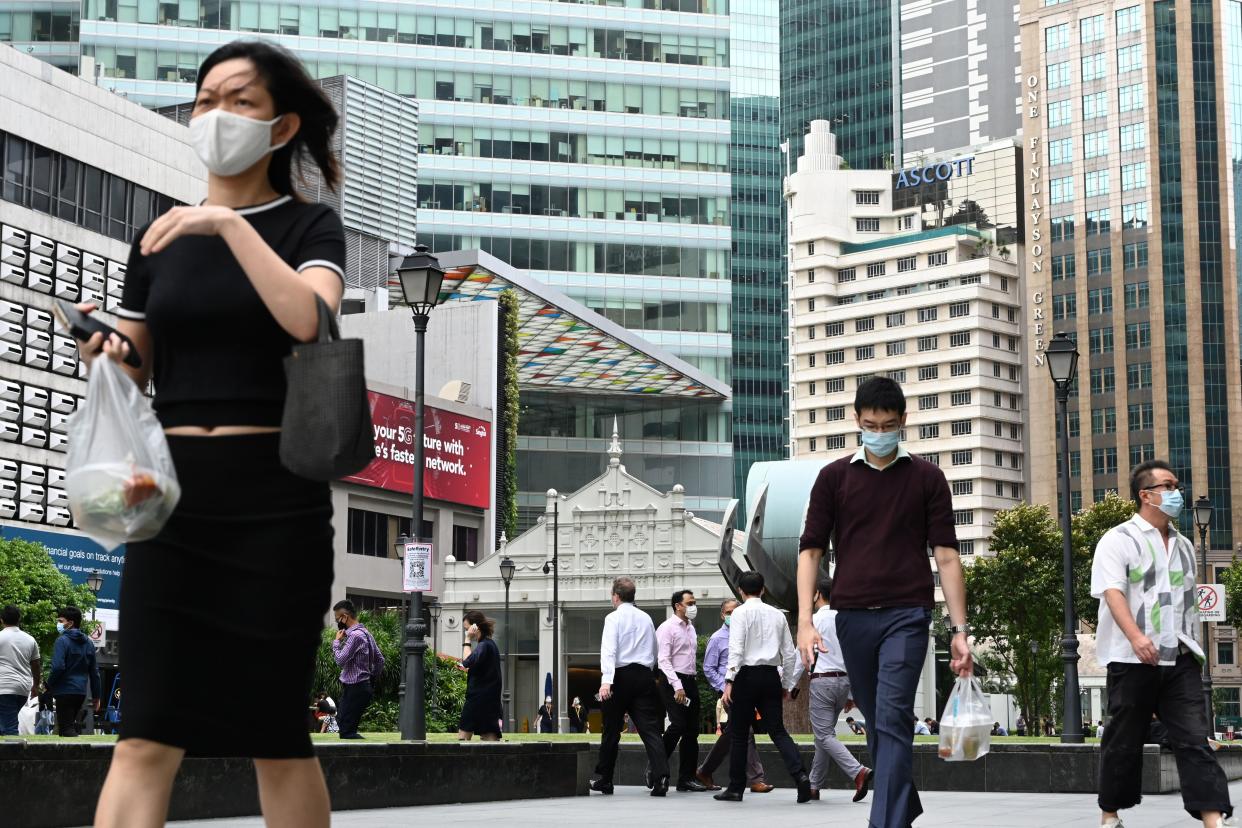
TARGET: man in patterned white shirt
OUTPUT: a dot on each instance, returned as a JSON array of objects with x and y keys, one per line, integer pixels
[{"x": 1144, "y": 575}]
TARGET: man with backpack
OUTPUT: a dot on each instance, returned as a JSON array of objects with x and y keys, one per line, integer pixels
[{"x": 361, "y": 663}]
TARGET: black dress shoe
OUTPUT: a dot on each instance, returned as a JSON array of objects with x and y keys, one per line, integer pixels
[
  {"x": 659, "y": 786},
  {"x": 601, "y": 786},
  {"x": 804, "y": 788},
  {"x": 691, "y": 786},
  {"x": 728, "y": 796},
  {"x": 648, "y": 780}
]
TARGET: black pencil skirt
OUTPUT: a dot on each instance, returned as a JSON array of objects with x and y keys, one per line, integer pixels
[{"x": 223, "y": 610}]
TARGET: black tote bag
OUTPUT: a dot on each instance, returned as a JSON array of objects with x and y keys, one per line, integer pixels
[{"x": 326, "y": 429}]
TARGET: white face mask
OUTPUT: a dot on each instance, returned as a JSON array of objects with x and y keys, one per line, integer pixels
[
  {"x": 230, "y": 144},
  {"x": 692, "y": 612}
]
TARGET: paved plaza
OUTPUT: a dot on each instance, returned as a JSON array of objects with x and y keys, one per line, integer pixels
[{"x": 634, "y": 806}]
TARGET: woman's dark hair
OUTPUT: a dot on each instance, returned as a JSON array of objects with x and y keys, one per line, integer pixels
[
  {"x": 485, "y": 624},
  {"x": 292, "y": 90}
]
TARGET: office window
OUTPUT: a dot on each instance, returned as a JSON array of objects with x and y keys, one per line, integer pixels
[
  {"x": 876, "y": 269},
  {"x": 1064, "y": 306},
  {"x": 810, "y": 389},
  {"x": 963, "y": 517},
  {"x": 907, "y": 263},
  {"x": 895, "y": 320},
  {"x": 961, "y": 488},
  {"x": 810, "y": 332},
  {"x": 1099, "y": 222},
  {"x": 1138, "y": 295},
  {"x": 1059, "y": 113},
  {"x": 1134, "y": 215},
  {"x": 810, "y": 415},
  {"x": 963, "y": 458},
  {"x": 957, "y": 340},
  {"x": 1100, "y": 340},
  {"x": 929, "y": 372},
  {"x": 1103, "y": 380},
  {"x": 810, "y": 361},
  {"x": 835, "y": 357},
  {"x": 960, "y": 398},
  {"x": 1063, "y": 267},
  {"x": 1224, "y": 652},
  {"x": 1131, "y": 98},
  {"x": 1099, "y": 261},
  {"x": 1141, "y": 453},
  {"x": 1104, "y": 461},
  {"x": 867, "y": 225},
  {"x": 1133, "y": 176},
  {"x": 1097, "y": 183},
  {"x": 1095, "y": 144},
  {"x": 864, "y": 324},
  {"x": 1094, "y": 105},
  {"x": 895, "y": 348},
  {"x": 1091, "y": 28},
  {"x": 834, "y": 413},
  {"x": 1133, "y": 136},
  {"x": 966, "y": 547},
  {"x": 1057, "y": 37},
  {"x": 959, "y": 369},
  {"x": 867, "y": 197},
  {"x": 927, "y": 314},
  {"x": 1129, "y": 19},
  {"x": 810, "y": 248},
  {"x": 834, "y": 443},
  {"x": 938, "y": 258},
  {"x": 958, "y": 309},
  {"x": 835, "y": 385},
  {"x": 811, "y": 444},
  {"x": 1104, "y": 420},
  {"x": 928, "y": 343},
  {"x": 929, "y": 401},
  {"x": 1142, "y": 417},
  {"x": 810, "y": 305},
  {"x": 1094, "y": 67},
  {"x": 834, "y": 329},
  {"x": 864, "y": 352},
  {"x": 1138, "y": 376},
  {"x": 1061, "y": 190},
  {"x": 1099, "y": 300},
  {"x": 960, "y": 428},
  {"x": 1130, "y": 58},
  {"x": 929, "y": 432},
  {"x": 846, "y": 275},
  {"x": 898, "y": 377},
  {"x": 1058, "y": 75},
  {"x": 466, "y": 543},
  {"x": 810, "y": 276},
  {"x": 1061, "y": 151},
  {"x": 368, "y": 533},
  {"x": 873, "y": 295},
  {"x": 1061, "y": 228},
  {"x": 1138, "y": 335}
]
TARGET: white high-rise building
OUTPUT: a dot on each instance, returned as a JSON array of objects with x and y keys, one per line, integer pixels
[{"x": 875, "y": 291}]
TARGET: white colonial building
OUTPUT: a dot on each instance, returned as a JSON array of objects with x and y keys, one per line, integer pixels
[
  {"x": 615, "y": 525},
  {"x": 905, "y": 274}
]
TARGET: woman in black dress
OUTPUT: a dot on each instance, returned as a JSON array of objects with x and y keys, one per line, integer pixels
[
  {"x": 215, "y": 296},
  {"x": 482, "y": 711}
]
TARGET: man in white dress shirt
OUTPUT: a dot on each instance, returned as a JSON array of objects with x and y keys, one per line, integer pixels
[
  {"x": 627, "y": 659},
  {"x": 762, "y": 671},
  {"x": 830, "y": 697},
  {"x": 1144, "y": 575}
]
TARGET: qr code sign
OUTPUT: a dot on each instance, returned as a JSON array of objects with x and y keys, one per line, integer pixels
[{"x": 418, "y": 569}]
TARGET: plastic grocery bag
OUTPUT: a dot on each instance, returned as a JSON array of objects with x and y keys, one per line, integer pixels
[
  {"x": 966, "y": 726},
  {"x": 120, "y": 477}
]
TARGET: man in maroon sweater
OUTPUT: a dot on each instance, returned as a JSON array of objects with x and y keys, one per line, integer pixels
[{"x": 882, "y": 509}]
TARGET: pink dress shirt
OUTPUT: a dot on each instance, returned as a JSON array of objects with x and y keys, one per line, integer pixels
[{"x": 676, "y": 647}]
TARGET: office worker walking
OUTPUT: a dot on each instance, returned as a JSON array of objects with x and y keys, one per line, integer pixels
[
  {"x": 627, "y": 658},
  {"x": 762, "y": 666},
  {"x": 676, "y": 647}
]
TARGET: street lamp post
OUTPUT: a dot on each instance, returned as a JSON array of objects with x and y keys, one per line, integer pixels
[
  {"x": 507, "y": 568},
  {"x": 421, "y": 278},
  {"x": 433, "y": 610},
  {"x": 1203, "y": 519},
  {"x": 94, "y": 582},
  {"x": 1062, "y": 355},
  {"x": 1036, "y": 727},
  {"x": 556, "y": 607}
]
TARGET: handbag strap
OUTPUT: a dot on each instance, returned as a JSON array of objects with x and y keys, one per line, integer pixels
[{"x": 328, "y": 330}]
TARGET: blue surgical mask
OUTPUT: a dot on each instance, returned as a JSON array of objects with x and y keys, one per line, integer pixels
[
  {"x": 60, "y": 628},
  {"x": 728, "y": 618},
  {"x": 1171, "y": 503},
  {"x": 881, "y": 443}
]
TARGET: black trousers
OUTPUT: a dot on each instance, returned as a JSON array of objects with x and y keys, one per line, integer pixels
[
  {"x": 1175, "y": 694},
  {"x": 683, "y": 725},
  {"x": 354, "y": 701},
  {"x": 633, "y": 691},
  {"x": 758, "y": 689},
  {"x": 67, "y": 709}
]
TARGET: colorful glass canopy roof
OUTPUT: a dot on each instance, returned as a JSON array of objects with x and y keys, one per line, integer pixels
[{"x": 563, "y": 343}]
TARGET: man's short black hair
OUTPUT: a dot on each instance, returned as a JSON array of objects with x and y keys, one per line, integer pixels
[
  {"x": 824, "y": 587},
  {"x": 880, "y": 394},
  {"x": 1141, "y": 477},
  {"x": 346, "y": 606},
  {"x": 625, "y": 589},
  {"x": 680, "y": 595},
  {"x": 751, "y": 583},
  {"x": 12, "y": 616},
  {"x": 73, "y": 615}
]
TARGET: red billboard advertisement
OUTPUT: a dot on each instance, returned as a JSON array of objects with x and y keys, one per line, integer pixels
[{"x": 458, "y": 453}]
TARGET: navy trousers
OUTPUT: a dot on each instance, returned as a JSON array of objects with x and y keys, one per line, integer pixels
[{"x": 884, "y": 650}]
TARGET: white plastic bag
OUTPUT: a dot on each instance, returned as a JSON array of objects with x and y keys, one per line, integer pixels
[
  {"x": 120, "y": 477},
  {"x": 966, "y": 726}
]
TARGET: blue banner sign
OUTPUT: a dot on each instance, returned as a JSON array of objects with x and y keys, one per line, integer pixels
[
  {"x": 76, "y": 556},
  {"x": 941, "y": 171}
]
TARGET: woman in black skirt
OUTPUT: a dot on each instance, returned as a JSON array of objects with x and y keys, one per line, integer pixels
[
  {"x": 215, "y": 296},
  {"x": 482, "y": 711}
]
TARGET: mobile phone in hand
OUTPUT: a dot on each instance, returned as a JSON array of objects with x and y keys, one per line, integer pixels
[{"x": 82, "y": 327}]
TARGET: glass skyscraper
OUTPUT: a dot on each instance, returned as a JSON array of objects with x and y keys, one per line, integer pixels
[{"x": 760, "y": 349}]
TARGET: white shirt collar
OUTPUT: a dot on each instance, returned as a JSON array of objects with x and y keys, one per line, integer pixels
[{"x": 860, "y": 456}]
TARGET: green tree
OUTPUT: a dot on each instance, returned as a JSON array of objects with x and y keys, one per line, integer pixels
[
  {"x": 1086, "y": 529},
  {"x": 31, "y": 582},
  {"x": 1231, "y": 578}
]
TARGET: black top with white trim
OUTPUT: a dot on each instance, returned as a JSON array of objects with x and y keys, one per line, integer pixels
[{"x": 218, "y": 349}]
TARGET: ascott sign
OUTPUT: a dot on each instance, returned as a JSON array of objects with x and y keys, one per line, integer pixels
[
  {"x": 457, "y": 453},
  {"x": 942, "y": 171}
]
